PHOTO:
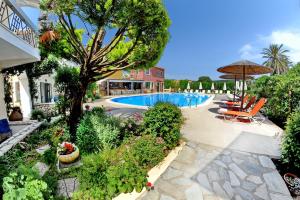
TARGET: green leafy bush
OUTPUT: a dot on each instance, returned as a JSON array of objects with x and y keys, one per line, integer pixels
[
  {"x": 164, "y": 120},
  {"x": 98, "y": 131},
  {"x": 109, "y": 173},
  {"x": 291, "y": 142},
  {"x": 130, "y": 128},
  {"x": 50, "y": 156},
  {"x": 25, "y": 184},
  {"x": 147, "y": 152},
  {"x": 37, "y": 114}
]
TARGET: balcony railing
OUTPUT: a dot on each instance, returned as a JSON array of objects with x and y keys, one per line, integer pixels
[{"x": 17, "y": 22}]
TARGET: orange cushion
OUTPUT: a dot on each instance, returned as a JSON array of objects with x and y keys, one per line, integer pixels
[{"x": 237, "y": 113}]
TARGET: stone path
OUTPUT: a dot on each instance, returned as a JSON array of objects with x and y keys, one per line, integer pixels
[
  {"x": 203, "y": 172},
  {"x": 66, "y": 187},
  {"x": 29, "y": 127}
]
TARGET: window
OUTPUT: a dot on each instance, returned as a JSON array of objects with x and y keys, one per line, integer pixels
[
  {"x": 147, "y": 71},
  {"x": 148, "y": 85},
  {"x": 45, "y": 92}
]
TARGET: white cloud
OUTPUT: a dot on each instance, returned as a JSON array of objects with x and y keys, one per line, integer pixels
[
  {"x": 289, "y": 38},
  {"x": 248, "y": 52}
]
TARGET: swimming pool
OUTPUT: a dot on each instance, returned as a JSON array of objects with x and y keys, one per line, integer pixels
[{"x": 179, "y": 99}]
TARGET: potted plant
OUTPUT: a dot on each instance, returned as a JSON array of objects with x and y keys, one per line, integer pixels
[
  {"x": 67, "y": 152},
  {"x": 293, "y": 183},
  {"x": 16, "y": 114}
]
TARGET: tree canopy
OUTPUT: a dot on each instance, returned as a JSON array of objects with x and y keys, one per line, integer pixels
[
  {"x": 104, "y": 36},
  {"x": 204, "y": 79}
]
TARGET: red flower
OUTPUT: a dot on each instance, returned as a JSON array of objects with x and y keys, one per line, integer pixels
[{"x": 149, "y": 184}]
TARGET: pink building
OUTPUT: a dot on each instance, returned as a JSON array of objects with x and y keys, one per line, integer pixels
[
  {"x": 134, "y": 82},
  {"x": 153, "y": 79}
]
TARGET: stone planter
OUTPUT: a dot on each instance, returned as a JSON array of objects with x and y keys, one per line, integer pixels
[
  {"x": 69, "y": 158},
  {"x": 293, "y": 183}
]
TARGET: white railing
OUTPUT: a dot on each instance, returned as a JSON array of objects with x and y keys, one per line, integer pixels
[{"x": 14, "y": 19}]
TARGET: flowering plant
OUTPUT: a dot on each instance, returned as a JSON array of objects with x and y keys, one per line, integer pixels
[
  {"x": 149, "y": 186},
  {"x": 66, "y": 148}
]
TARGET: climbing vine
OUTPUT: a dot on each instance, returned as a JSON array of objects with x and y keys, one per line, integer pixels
[{"x": 33, "y": 71}]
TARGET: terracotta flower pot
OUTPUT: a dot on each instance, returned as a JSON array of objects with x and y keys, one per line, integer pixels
[
  {"x": 286, "y": 177},
  {"x": 16, "y": 115},
  {"x": 69, "y": 158}
]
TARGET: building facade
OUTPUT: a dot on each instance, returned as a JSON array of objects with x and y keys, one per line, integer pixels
[
  {"x": 18, "y": 46},
  {"x": 133, "y": 82}
]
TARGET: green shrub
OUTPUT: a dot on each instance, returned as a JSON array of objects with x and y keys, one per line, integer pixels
[
  {"x": 130, "y": 128},
  {"x": 25, "y": 184},
  {"x": 282, "y": 92},
  {"x": 97, "y": 131},
  {"x": 109, "y": 173},
  {"x": 164, "y": 120},
  {"x": 147, "y": 152},
  {"x": 291, "y": 142},
  {"x": 37, "y": 114},
  {"x": 50, "y": 156}
]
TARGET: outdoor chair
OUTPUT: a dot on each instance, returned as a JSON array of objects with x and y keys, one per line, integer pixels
[
  {"x": 5, "y": 130},
  {"x": 208, "y": 92},
  {"x": 237, "y": 103},
  {"x": 197, "y": 91},
  {"x": 229, "y": 115}
]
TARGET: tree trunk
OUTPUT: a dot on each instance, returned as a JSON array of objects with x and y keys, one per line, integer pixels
[{"x": 76, "y": 111}]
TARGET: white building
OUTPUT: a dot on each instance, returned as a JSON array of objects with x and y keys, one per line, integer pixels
[{"x": 17, "y": 46}]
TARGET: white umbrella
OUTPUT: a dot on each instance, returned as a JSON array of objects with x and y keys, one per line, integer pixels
[
  {"x": 188, "y": 86},
  {"x": 245, "y": 87},
  {"x": 200, "y": 86},
  {"x": 237, "y": 86},
  {"x": 224, "y": 86},
  {"x": 212, "y": 86}
]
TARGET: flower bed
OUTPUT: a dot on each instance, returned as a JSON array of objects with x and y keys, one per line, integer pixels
[{"x": 116, "y": 155}]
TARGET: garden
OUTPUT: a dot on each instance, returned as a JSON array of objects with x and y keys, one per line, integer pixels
[{"x": 115, "y": 155}]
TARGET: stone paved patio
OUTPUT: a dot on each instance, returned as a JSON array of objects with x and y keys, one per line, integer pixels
[
  {"x": 20, "y": 131},
  {"x": 204, "y": 172}
]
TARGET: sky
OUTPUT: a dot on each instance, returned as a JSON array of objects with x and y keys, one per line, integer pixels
[{"x": 207, "y": 34}]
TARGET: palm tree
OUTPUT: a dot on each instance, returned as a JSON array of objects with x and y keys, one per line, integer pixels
[{"x": 276, "y": 58}]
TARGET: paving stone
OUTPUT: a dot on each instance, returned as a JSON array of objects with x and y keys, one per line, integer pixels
[
  {"x": 226, "y": 152},
  {"x": 238, "y": 197},
  {"x": 42, "y": 149},
  {"x": 220, "y": 163},
  {"x": 254, "y": 179},
  {"x": 244, "y": 194},
  {"x": 203, "y": 181},
  {"x": 165, "y": 197},
  {"x": 191, "y": 144},
  {"x": 168, "y": 188},
  {"x": 238, "y": 171},
  {"x": 237, "y": 161},
  {"x": 227, "y": 187},
  {"x": 182, "y": 181},
  {"x": 226, "y": 159},
  {"x": 280, "y": 197},
  {"x": 187, "y": 155},
  {"x": 219, "y": 190},
  {"x": 213, "y": 175},
  {"x": 266, "y": 162},
  {"x": 151, "y": 195},
  {"x": 66, "y": 187},
  {"x": 42, "y": 168},
  {"x": 194, "y": 193},
  {"x": 234, "y": 181},
  {"x": 275, "y": 183},
  {"x": 252, "y": 168},
  {"x": 249, "y": 186},
  {"x": 171, "y": 173},
  {"x": 262, "y": 192}
]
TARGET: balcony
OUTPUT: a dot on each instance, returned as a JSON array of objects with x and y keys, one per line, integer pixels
[{"x": 17, "y": 36}]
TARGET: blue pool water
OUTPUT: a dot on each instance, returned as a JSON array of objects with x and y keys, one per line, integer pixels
[{"x": 179, "y": 99}]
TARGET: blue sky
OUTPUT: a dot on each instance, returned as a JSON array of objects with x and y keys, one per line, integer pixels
[{"x": 207, "y": 34}]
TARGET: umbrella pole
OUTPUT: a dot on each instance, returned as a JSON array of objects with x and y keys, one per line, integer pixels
[
  {"x": 234, "y": 92},
  {"x": 243, "y": 91}
]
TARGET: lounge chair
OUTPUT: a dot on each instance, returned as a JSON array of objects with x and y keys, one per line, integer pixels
[
  {"x": 197, "y": 91},
  {"x": 236, "y": 103},
  {"x": 208, "y": 91},
  {"x": 248, "y": 115},
  {"x": 237, "y": 108},
  {"x": 5, "y": 130}
]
